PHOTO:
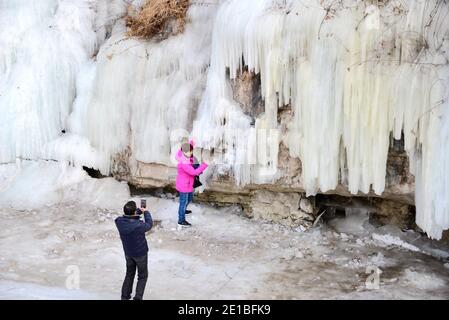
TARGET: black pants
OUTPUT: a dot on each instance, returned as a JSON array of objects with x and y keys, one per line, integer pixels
[{"x": 141, "y": 264}]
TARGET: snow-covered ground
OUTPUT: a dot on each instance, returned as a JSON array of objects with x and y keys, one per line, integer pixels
[{"x": 223, "y": 256}]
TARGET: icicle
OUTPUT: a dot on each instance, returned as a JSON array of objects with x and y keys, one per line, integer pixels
[
  {"x": 145, "y": 92},
  {"x": 43, "y": 45},
  {"x": 352, "y": 80}
]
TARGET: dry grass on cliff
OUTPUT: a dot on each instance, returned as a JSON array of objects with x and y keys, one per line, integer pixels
[{"x": 158, "y": 18}]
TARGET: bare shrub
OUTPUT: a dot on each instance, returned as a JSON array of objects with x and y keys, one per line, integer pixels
[{"x": 158, "y": 18}]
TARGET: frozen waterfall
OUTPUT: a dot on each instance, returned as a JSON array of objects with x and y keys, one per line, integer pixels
[{"x": 74, "y": 88}]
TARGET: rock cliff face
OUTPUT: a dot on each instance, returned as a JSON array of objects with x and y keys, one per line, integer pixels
[{"x": 284, "y": 201}]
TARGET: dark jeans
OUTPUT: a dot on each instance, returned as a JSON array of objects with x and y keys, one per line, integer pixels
[
  {"x": 184, "y": 199},
  {"x": 141, "y": 264}
]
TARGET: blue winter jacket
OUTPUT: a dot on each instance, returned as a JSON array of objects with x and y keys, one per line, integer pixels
[{"x": 132, "y": 232}]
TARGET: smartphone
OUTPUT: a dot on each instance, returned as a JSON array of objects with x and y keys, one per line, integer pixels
[{"x": 143, "y": 203}]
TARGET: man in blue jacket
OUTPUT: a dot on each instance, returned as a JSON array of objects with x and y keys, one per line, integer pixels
[{"x": 132, "y": 233}]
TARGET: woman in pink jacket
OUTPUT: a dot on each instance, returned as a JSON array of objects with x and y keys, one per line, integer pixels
[{"x": 185, "y": 178}]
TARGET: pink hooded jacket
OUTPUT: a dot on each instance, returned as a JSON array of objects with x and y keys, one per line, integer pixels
[{"x": 186, "y": 172}]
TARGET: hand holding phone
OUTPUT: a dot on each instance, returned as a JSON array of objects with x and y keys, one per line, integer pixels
[{"x": 143, "y": 203}]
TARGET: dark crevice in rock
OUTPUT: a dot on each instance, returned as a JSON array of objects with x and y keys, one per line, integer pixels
[
  {"x": 398, "y": 166},
  {"x": 160, "y": 192},
  {"x": 94, "y": 173},
  {"x": 382, "y": 211}
]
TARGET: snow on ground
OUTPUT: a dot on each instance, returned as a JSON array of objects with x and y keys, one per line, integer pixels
[
  {"x": 223, "y": 256},
  {"x": 29, "y": 291}
]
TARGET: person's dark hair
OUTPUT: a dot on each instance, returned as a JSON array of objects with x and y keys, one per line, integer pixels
[
  {"x": 186, "y": 147},
  {"x": 130, "y": 208}
]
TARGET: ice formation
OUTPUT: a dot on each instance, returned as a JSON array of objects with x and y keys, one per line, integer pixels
[
  {"x": 353, "y": 73},
  {"x": 146, "y": 91},
  {"x": 36, "y": 184},
  {"x": 43, "y": 45}
]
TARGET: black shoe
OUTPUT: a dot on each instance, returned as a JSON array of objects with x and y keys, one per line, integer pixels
[
  {"x": 184, "y": 224},
  {"x": 188, "y": 211}
]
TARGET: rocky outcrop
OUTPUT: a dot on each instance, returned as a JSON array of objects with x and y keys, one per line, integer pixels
[
  {"x": 290, "y": 209},
  {"x": 284, "y": 201}
]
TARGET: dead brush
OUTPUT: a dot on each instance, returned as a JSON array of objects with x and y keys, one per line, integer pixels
[{"x": 158, "y": 18}]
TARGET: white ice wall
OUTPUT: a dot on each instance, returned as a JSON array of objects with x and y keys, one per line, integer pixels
[
  {"x": 145, "y": 92},
  {"x": 43, "y": 45}
]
